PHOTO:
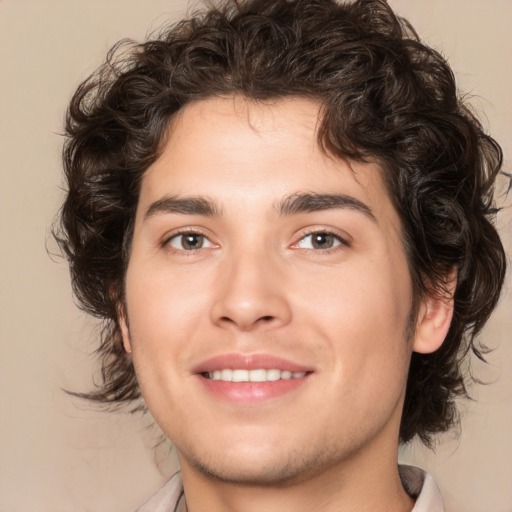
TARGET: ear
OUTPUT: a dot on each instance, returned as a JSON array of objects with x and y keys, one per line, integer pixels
[
  {"x": 123, "y": 326},
  {"x": 435, "y": 317}
]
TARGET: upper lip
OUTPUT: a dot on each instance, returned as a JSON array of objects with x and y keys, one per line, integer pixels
[{"x": 248, "y": 362}]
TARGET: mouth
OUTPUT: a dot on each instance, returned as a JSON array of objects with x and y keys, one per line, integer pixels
[
  {"x": 250, "y": 379},
  {"x": 258, "y": 375}
]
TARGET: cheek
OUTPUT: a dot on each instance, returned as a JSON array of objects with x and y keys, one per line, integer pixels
[
  {"x": 379, "y": 349},
  {"x": 358, "y": 296},
  {"x": 164, "y": 310},
  {"x": 161, "y": 300},
  {"x": 159, "y": 320},
  {"x": 363, "y": 312}
]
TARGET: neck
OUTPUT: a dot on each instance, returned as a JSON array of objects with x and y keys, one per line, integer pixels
[{"x": 364, "y": 483}]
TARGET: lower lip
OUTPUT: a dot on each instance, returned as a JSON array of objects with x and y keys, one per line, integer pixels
[{"x": 247, "y": 393}]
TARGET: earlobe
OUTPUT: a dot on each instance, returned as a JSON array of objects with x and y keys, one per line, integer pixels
[{"x": 435, "y": 317}]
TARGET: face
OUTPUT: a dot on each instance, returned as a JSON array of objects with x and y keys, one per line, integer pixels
[{"x": 267, "y": 295}]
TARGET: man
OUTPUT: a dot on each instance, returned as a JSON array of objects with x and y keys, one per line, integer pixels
[{"x": 282, "y": 211}]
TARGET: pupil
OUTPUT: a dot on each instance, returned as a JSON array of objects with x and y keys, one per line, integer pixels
[
  {"x": 322, "y": 240},
  {"x": 192, "y": 241}
]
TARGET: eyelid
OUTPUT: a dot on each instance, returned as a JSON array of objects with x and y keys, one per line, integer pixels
[
  {"x": 344, "y": 239},
  {"x": 166, "y": 239}
]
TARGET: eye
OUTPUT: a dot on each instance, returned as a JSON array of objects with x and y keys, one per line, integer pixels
[
  {"x": 189, "y": 241},
  {"x": 320, "y": 240}
]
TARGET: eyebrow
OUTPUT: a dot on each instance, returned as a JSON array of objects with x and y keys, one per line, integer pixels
[
  {"x": 292, "y": 205},
  {"x": 312, "y": 202},
  {"x": 183, "y": 206}
]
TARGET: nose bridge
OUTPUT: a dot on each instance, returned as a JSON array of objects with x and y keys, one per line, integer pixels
[{"x": 251, "y": 293}]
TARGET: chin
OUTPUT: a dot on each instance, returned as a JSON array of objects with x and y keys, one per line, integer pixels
[
  {"x": 258, "y": 469},
  {"x": 258, "y": 474}
]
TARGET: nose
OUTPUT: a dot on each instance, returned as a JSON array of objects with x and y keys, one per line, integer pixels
[{"x": 251, "y": 293}]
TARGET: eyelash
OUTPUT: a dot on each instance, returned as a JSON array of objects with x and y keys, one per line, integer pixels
[
  {"x": 343, "y": 243},
  {"x": 166, "y": 243}
]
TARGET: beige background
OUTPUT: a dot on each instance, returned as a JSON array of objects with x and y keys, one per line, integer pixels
[{"x": 57, "y": 454}]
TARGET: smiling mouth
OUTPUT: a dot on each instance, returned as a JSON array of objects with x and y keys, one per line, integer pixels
[{"x": 258, "y": 375}]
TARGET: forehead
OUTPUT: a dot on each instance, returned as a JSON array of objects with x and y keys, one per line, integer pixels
[{"x": 234, "y": 148}]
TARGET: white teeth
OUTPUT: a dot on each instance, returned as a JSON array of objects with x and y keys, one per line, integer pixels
[
  {"x": 240, "y": 375},
  {"x": 273, "y": 375},
  {"x": 226, "y": 375},
  {"x": 260, "y": 375}
]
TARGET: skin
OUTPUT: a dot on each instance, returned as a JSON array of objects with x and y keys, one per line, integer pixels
[{"x": 258, "y": 285}]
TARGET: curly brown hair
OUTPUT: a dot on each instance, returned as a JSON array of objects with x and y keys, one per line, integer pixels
[{"x": 384, "y": 95}]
